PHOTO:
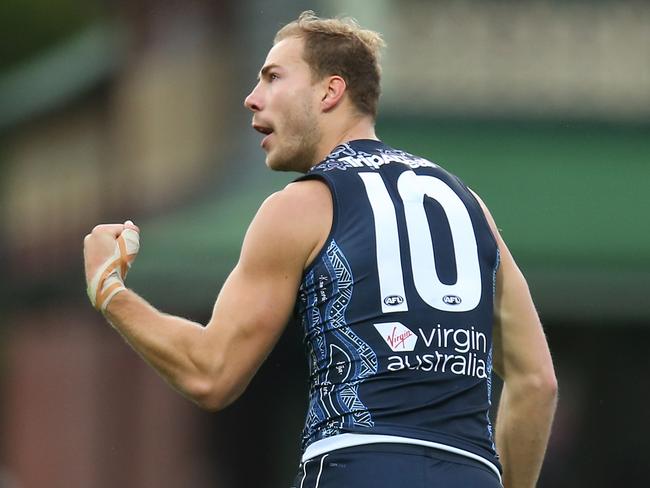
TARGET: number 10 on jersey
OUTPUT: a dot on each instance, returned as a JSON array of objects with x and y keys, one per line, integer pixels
[{"x": 462, "y": 296}]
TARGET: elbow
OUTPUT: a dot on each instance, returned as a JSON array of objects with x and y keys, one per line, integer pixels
[
  {"x": 201, "y": 383},
  {"x": 540, "y": 387},
  {"x": 551, "y": 387},
  {"x": 210, "y": 404},
  {"x": 543, "y": 386},
  {"x": 206, "y": 395},
  {"x": 210, "y": 392},
  {"x": 547, "y": 381}
]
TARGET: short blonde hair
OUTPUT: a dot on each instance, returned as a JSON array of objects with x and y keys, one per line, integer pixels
[{"x": 341, "y": 47}]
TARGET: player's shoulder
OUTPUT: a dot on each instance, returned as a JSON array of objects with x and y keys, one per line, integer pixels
[
  {"x": 297, "y": 203},
  {"x": 295, "y": 220},
  {"x": 303, "y": 195}
]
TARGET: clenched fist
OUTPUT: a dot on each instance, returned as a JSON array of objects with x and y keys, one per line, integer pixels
[{"x": 109, "y": 251}]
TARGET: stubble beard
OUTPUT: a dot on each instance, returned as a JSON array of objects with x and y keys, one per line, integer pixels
[{"x": 298, "y": 150}]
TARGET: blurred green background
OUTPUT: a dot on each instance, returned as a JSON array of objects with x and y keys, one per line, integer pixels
[{"x": 116, "y": 110}]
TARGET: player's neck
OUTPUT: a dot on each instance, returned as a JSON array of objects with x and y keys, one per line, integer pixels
[{"x": 357, "y": 128}]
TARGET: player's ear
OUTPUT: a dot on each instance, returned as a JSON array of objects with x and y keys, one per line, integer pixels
[{"x": 334, "y": 89}]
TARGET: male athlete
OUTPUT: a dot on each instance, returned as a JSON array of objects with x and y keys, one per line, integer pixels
[{"x": 407, "y": 295}]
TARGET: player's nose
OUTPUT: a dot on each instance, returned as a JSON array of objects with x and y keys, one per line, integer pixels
[{"x": 254, "y": 101}]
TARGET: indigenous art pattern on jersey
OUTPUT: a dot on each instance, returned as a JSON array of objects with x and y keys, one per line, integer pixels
[
  {"x": 345, "y": 156},
  {"x": 338, "y": 359}
]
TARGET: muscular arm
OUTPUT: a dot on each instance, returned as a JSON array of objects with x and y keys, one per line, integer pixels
[
  {"x": 212, "y": 365},
  {"x": 522, "y": 359}
]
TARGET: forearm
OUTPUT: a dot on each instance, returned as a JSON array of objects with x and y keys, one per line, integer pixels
[
  {"x": 171, "y": 345},
  {"x": 523, "y": 427}
]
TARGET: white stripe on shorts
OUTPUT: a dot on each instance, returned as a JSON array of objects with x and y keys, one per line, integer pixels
[
  {"x": 304, "y": 472},
  {"x": 321, "y": 470}
]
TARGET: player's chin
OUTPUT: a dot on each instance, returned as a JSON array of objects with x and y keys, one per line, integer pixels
[
  {"x": 277, "y": 164},
  {"x": 274, "y": 161}
]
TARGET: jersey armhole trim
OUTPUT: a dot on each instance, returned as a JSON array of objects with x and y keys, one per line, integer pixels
[
  {"x": 335, "y": 216},
  {"x": 484, "y": 219}
]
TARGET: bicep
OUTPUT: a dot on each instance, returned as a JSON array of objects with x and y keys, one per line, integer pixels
[
  {"x": 257, "y": 299},
  {"x": 248, "y": 318}
]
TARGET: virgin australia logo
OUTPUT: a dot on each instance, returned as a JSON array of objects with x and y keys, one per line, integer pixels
[{"x": 397, "y": 336}]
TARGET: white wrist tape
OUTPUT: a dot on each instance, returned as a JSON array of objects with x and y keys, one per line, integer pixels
[{"x": 109, "y": 279}]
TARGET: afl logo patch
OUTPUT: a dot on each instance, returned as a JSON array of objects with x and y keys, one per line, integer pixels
[
  {"x": 393, "y": 300},
  {"x": 451, "y": 300}
]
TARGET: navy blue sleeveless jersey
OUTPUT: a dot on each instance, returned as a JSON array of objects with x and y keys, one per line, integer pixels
[{"x": 397, "y": 308}]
